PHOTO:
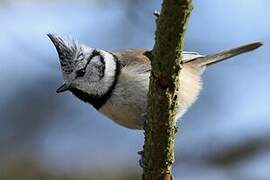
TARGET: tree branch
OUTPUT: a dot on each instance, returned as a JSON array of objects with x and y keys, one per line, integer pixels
[{"x": 160, "y": 128}]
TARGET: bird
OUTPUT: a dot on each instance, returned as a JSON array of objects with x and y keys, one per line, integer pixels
[{"x": 116, "y": 83}]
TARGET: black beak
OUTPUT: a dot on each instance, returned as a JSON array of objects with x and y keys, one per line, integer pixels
[{"x": 62, "y": 88}]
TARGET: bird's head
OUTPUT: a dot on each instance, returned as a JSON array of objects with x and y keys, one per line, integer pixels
[{"x": 86, "y": 69}]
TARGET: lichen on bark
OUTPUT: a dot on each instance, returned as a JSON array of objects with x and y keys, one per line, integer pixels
[{"x": 160, "y": 128}]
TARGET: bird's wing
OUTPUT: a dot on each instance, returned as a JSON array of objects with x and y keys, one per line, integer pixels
[
  {"x": 135, "y": 57},
  {"x": 188, "y": 55},
  {"x": 139, "y": 56},
  {"x": 132, "y": 56}
]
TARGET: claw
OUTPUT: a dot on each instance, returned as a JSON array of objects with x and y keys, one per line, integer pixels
[
  {"x": 157, "y": 13},
  {"x": 141, "y": 163},
  {"x": 140, "y": 152}
]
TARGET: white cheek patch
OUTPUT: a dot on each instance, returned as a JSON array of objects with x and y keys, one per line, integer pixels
[
  {"x": 109, "y": 73},
  {"x": 110, "y": 65}
]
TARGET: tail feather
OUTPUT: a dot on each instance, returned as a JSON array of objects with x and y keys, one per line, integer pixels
[{"x": 215, "y": 58}]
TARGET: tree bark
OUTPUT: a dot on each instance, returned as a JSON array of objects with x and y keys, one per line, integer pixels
[{"x": 160, "y": 127}]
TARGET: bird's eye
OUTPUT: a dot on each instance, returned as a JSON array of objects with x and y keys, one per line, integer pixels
[{"x": 80, "y": 73}]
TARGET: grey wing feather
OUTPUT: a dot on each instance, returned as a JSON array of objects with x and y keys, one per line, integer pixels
[
  {"x": 135, "y": 57},
  {"x": 132, "y": 56}
]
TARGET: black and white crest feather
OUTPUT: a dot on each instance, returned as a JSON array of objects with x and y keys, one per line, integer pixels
[{"x": 68, "y": 51}]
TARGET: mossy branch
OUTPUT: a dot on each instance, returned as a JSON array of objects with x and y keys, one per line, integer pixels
[{"x": 160, "y": 128}]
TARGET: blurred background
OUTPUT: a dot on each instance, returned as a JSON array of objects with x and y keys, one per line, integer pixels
[{"x": 225, "y": 135}]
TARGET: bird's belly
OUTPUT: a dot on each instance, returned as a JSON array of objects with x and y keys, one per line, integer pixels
[
  {"x": 127, "y": 106},
  {"x": 127, "y": 115}
]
